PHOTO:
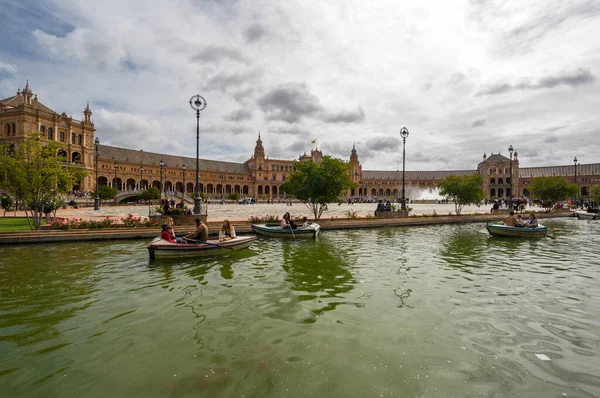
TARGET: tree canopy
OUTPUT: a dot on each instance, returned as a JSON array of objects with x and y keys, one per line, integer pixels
[
  {"x": 550, "y": 190},
  {"x": 150, "y": 194},
  {"x": 107, "y": 193},
  {"x": 36, "y": 175},
  {"x": 463, "y": 190},
  {"x": 317, "y": 184},
  {"x": 595, "y": 193}
]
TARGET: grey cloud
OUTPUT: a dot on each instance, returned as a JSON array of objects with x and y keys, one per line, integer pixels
[
  {"x": 478, "y": 121},
  {"x": 345, "y": 117},
  {"x": 456, "y": 78},
  {"x": 290, "y": 103},
  {"x": 550, "y": 139},
  {"x": 223, "y": 80},
  {"x": 215, "y": 54},
  {"x": 254, "y": 33},
  {"x": 297, "y": 148},
  {"x": 293, "y": 130},
  {"x": 239, "y": 115},
  {"x": 241, "y": 95},
  {"x": 574, "y": 78},
  {"x": 427, "y": 86},
  {"x": 383, "y": 143}
]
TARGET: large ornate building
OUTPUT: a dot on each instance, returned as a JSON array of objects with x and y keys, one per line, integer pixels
[{"x": 260, "y": 176}]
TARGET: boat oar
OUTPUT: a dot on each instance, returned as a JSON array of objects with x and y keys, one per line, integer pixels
[
  {"x": 208, "y": 243},
  {"x": 292, "y": 229},
  {"x": 545, "y": 234}
]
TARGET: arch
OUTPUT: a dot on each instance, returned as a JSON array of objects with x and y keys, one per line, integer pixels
[
  {"x": 492, "y": 192},
  {"x": 43, "y": 129},
  {"x": 179, "y": 187},
  {"x": 76, "y": 157},
  {"x": 274, "y": 190},
  {"x": 156, "y": 184},
  {"x": 492, "y": 180},
  {"x": 237, "y": 189},
  {"x": 373, "y": 192},
  {"x": 267, "y": 190},
  {"x": 62, "y": 153},
  {"x": 189, "y": 187},
  {"x": 500, "y": 181},
  {"x": 395, "y": 192},
  {"x": 259, "y": 190},
  {"x": 388, "y": 192},
  {"x": 102, "y": 181},
  {"x": 200, "y": 188},
  {"x": 380, "y": 191},
  {"x": 130, "y": 184},
  {"x": 228, "y": 189},
  {"x": 508, "y": 192},
  {"x": 245, "y": 190},
  {"x": 117, "y": 183},
  {"x": 219, "y": 189},
  {"x": 168, "y": 186},
  {"x": 210, "y": 190},
  {"x": 500, "y": 192},
  {"x": 525, "y": 192},
  {"x": 143, "y": 184},
  {"x": 50, "y": 133}
]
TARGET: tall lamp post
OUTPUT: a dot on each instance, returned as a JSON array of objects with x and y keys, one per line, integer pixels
[
  {"x": 403, "y": 134},
  {"x": 116, "y": 167},
  {"x": 97, "y": 198},
  {"x": 575, "y": 165},
  {"x": 141, "y": 176},
  {"x": 510, "y": 196},
  {"x": 198, "y": 104},
  {"x": 161, "y": 164},
  {"x": 183, "y": 168}
]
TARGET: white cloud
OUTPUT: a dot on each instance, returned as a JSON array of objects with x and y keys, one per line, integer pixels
[{"x": 465, "y": 77}]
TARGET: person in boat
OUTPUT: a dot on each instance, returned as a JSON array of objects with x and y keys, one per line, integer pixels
[
  {"x": 168, "y": 234},
  {"x": 520, "y": 222},
  {"x": 287, "y": 222},
  {"x": 304, "y": 222},
  {"x": 532, "y": 222},
  {"x": 227, "y": 232},
  {"x": 511, "y": 220},
  {"x": 201, "y": 232}
]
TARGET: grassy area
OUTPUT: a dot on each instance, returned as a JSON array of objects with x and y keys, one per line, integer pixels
[{"x": 13, "y": 224}]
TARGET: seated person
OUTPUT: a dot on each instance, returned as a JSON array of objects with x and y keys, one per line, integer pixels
[
  {"x": 227, "y": 232},
  {"x": 201, "y": 232},
  {"x": 511, "y": 220},
  {"x": 304, "y": 222},
  {"x": 380, "y": 206},
  {"x": 388, "y": 206},
  {"x": 167, "y": 234},
  {"x": 532, "y": 222},
  {"x": 285, "y": 221},
  {"x": 520, "y": 222}
]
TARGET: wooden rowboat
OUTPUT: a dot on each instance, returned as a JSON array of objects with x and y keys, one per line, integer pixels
[
  {"x": 275, "y": 230},
  {"x": 524, "y": 232},
  {"x": 160, "y": 248}
]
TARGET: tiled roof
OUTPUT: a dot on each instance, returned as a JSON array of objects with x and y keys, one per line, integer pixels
[
  {"x": 113, "y": 153},
  {"x": 496, "y": 157},
  {"x": 18, "y": 100},
  {"x": 548, "y": 171},
  {"x": 414, "y": 175}
]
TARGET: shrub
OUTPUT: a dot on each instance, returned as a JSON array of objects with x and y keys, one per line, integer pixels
[
  {"x": 369, "y": 216},
  {"x": 132, "y": 221},
  {"x": 268, "y": 218},
  {"x": 352, "y": 215}
]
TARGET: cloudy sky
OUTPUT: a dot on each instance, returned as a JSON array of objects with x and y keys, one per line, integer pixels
[{"x": 464, "y": 76}]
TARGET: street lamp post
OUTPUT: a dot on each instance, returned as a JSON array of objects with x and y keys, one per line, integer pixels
[
  {"x": 116, "y": 167},
  {"x": 97, "y": 198},
  {"x": 403, "y": 134},
  {"x": 141, "y": 177},
  {"x": 510, "y": 196},
  {"x": 161, "y": 164},
  {"x": 575, "y": 165},
  {"x": 183, "y": 168},
  {"x": 197, "y": 103}
]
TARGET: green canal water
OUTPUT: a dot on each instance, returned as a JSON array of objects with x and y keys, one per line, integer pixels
[{"x": 439, "y": 311}]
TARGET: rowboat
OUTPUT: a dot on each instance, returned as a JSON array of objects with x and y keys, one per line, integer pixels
[
  {"x": 160, "y": 248},
  {"x": 505, "y": 230},
  {"x": 275, "y": 230},
  {"x": 586, "y": 215}
]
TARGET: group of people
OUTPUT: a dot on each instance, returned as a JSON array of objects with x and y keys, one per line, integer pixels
[
  {"x": 287, "y": 222},
  {"x": 513, "y": 220},
  {"x": 384, "y": 207},
  {"x": 227, "y": 232}
]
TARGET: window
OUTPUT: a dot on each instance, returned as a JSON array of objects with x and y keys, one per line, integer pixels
[
  {"x": 274, "y": 177},
  {"x": 79, "y": 139},
  {"x": 50, "y": 133},
  {"x": 42, "y": 129},
  {"x": 62, "y": 136},
  {"x": 72, "y": 138}
]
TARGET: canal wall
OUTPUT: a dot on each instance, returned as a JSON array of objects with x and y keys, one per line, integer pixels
[{"x": 243, "y": 227}]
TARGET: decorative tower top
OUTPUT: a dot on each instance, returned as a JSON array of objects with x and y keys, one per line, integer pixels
[
  {"x": 353, "y": 155},
  {"x": 87, "y": 114},
  {"x": 484, "y": 156},
  {"x": 27, "y": 94},
  {"x": 259, "y": 151}
]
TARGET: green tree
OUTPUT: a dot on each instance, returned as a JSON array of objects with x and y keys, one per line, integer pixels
[
  {"x": 150, "y": 194},
  {"x": 36, "y": 175},
  {"x": 317, "y": 184},
  {"x": 234, "y": 196},
  {"x": 107, "y": 193},
  {"x": 463, "y": 190},
  {"x": 595, "y": 193},
  {"x": 6, "y": 202},
  {"x": 550, "y": 190}
]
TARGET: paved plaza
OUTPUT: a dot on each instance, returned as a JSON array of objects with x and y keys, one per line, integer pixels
[{"x": 217, "y": 212}]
